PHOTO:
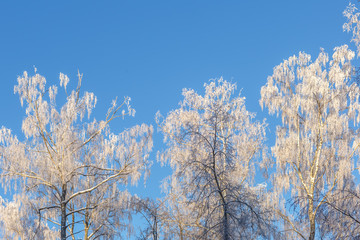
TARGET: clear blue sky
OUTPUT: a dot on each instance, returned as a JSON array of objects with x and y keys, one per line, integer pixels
[{"x": 150, "y": 50}]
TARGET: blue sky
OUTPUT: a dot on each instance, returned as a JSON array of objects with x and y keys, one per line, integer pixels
[{"x": 150, "y": 50}]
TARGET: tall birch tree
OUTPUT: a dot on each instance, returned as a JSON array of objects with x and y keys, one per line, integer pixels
[
  {"x": 212, "y": 142},
  {"x": 72, "y": 171},
  {"x": 318, "y": 140},
  {"x": 342, "y": 216}
]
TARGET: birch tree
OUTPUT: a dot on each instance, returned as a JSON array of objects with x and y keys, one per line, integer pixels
[
  {"x": 341, "y": 215},
  {"x": 318, "y": 140},
  {"x": 19, "y": 220},
  {"x": 212, "y": 142},
  {"x": 72, "y": 171},
  {"x": 167, "y": 218},
  {"x": 151, "y": 211},
  {"x": 353, "y": 24},
  {"x": 178, "y": 219}
]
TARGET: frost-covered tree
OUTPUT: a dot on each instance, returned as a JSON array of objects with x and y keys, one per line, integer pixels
[
  {"x": 73, "y": 172},
  {"x": 167, "y": 218},
  {"x": 341, "y": 217},
  {"x": 342, "y": 214},
  {"x": 353, "y": 24},
  {"x": 212, "y": 141},
  {"x": 318, "y": 140},
  {"x": 19, "y": 220},
  {"x": 178, "y": 222},
  {"x": 151, "y": 212}
]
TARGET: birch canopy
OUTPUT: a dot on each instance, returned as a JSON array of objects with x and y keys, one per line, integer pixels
[
  {"x": 72, "y": 170},
  {"x": 317, "y": 141},
  {"x": 212, "y": 144}
]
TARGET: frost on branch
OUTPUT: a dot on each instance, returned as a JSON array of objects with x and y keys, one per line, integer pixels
[
  {"x": 353, "y": 24},
  {"x": 63, "y": 80},
  {"x": 314, "y": 149},
  {"x": 74, "y": 171},
  {"x": 19, "y": 220}
]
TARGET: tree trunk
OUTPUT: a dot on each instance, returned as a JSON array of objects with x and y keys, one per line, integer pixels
[
  {"x": 63, "y": 214},
  {"x": 86, "y": 230},
  {"x": 312, "y": 229},
  {"x": 311, "y": 220},
  {"x": 181, "y": 232},
  {"x": 226, "y": 224}
]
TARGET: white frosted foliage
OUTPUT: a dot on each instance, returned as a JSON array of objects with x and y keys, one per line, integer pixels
[
  {"x": 317, "y": 142},
  {"x": 73, "y": 171},
  {"x": 212, "y": 143}
]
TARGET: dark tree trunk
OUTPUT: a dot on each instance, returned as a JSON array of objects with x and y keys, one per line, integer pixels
[
  {"x": 226, "y": 223},
  {"x": 63, "y": 214},
  {"x": 311, "y": 220},
  {"x": 312, "y": 230}
]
